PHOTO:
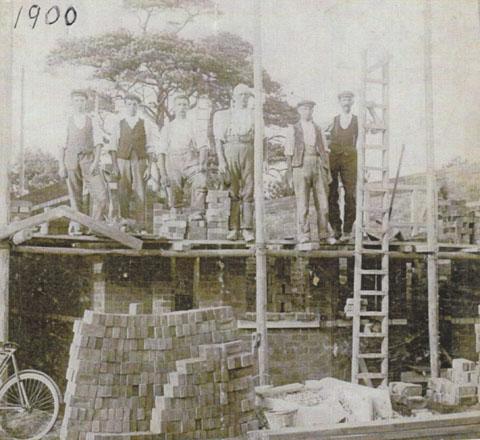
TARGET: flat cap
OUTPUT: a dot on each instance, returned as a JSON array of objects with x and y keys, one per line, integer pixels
[
  {"x": 347, "y": 93},
  {"x": 306, "y": 103},
  {"x": 132, "y": 97},
  {"x": 241, "y": 89},
  {"x": 79, "y": 92}
]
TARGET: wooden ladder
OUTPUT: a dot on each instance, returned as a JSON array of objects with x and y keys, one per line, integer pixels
[{"x": 371, "y": 270}]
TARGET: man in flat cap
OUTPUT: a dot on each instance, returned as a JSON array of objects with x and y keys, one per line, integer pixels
[
  {"x": 134, "y": 140},
  {"x": 183, "y": 160},
  {"x": 343, "y": 134},
  {"x": 308, "y": 166},
  {"x": 234, "y": 131},
  {"x": 80, "y": 159}
]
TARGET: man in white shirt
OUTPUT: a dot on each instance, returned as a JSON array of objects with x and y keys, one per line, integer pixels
[
  {"x": 233, "y": 131},
  {"x": 80, "y": 159},
  {"x": 308, "y": 167},
  {"x": 134, "y": 140},
  {"x": 183, "y": 160}
]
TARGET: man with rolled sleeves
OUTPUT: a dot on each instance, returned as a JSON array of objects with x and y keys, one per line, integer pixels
[
  {"x": 183, "y": 160},
  {"x": 234, "y": 132},
  {"x": 307, "y": 162},
  {"x": 343, "y": 134},
  {"x": 134, "y": 140},
  {"x": 80, "y": 159}
]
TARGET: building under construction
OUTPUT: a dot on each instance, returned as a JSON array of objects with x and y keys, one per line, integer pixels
[{"x": 181, "y": 333}]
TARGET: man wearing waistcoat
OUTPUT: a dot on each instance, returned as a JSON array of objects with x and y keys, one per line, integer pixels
[
  {"x": 133, "y": 143},
  {"x": 80, "y": 159},
  {"x": 183, "y": 160},
  {"x": 233, "y": 131},
  {"x": 343, "y": 134},
  {"x": 307, "y": 162}
]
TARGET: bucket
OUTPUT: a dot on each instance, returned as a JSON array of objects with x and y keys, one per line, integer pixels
[{"x": 281, "y": 418}]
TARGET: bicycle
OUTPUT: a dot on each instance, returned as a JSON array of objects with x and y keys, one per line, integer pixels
[{"x": 29, "y": 399}]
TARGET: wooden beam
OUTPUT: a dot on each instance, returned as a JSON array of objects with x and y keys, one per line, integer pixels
[
  {"x": 6, "y": 55},
  {"x": 30, "y": 222},
  {"x": 261, "y": 255},
  {"x": 102, "y": 229},
  {"x": 432, "y": 258}
]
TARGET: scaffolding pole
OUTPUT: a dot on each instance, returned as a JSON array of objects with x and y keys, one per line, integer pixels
[
  {"x": 260, "y": 248},
  {"x": 432, "y": 245},
  {"x": 6, "y": 55}
]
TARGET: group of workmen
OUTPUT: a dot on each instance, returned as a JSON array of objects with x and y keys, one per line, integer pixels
[{"x": 316, "y": 161}]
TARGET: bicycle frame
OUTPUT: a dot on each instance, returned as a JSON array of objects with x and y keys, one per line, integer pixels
[{"x": 9, "y": 354}]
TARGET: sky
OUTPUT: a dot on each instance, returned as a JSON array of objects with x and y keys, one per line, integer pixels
[{"x": 312, "y": 47}]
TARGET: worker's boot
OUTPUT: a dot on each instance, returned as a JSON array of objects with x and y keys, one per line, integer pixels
[
  {"x": 346, "y": 237},
  {"x": 74, "y": 229},
  {"x": 248, "y": 235},
  {"x": 233, "y": 235}
]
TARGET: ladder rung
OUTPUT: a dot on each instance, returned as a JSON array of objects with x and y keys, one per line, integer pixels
[
  {"x": 371, "y": 356},
  {"x": 372, "y": 293},
  {"x": 372, "y": 251},
  {"x": 372, "y": 126},
  {"x": 373, "y": 271},
  {"x": 375, "y": 147},
  {"x": 379, "y": 189},
  {"x": 371, "y": 376},
  {"x": 375, "y": 81},
  {"x": 371, "y": 313},
  {"x": 372, "y": 335},
  {"x": 372, "y": 168},
  {"x": 374, "y": 104}
]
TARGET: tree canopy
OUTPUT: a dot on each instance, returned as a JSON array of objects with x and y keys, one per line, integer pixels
[{"x": 158, "y": 65}]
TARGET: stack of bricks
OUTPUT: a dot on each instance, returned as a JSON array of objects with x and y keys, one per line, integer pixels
[
  {"x": 120, "y": 363},
  {"x": 172, "y": 226},
  {"x": 456, "y": 221},
  {"x": 218, "y": 212},
  {"x": 197, "y": 229},
  {"x": 208, "y": 397},
  {"x": 458, "y": 386}
]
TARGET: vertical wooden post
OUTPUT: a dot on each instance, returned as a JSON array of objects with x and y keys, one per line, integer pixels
[
  {"x": 432, "y": 259},
  {"x": 6, "y": 53},
  {"x": 22, "y": 135},
  {"x": 261, "y": 256}
]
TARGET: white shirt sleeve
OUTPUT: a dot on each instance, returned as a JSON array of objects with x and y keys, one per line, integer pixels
[
  {"x": 152, "y": 136},
  {"x": 115, "y": 136},
  {"x": 163, "y": 140},
  {"x": 289, "y": 141},
  {"x": 219, "y": 126},
  {"x": 97, "y": 131}
]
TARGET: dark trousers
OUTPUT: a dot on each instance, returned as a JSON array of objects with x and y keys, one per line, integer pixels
[{"x": 343, "y": 164}]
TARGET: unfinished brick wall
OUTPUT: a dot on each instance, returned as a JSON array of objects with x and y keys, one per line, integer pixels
[{"x": 119, "y": 364}]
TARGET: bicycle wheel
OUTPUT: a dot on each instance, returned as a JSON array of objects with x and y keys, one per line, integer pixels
[{"x": 31, "y": 421}]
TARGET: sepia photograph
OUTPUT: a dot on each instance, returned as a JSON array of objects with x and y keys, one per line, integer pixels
[{"x": 239, "y": 219}]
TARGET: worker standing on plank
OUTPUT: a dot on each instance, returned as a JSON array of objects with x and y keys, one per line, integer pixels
[
  {"x": 183, "y": 160},
  {"x": 343, "y": 134},
  {"x": 308, "y": 168},
  {"x": 134, "y": 140},
  {"x": 234, "y": 132},
  {"x": 80, "y": 160}
]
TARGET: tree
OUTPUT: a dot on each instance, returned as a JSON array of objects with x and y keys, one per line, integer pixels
[
  {"x": 41, "y": 170},
  {"x": 158, "y": 65},
  {"x": 186, "y": 10}
]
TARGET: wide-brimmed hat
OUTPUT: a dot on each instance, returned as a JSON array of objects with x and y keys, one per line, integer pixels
[
  {"x": 306, "y": 103},
  {"x": 346, "y": 93}
]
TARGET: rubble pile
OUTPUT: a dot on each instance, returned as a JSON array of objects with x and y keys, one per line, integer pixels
[{"x": 133, "y": 373}]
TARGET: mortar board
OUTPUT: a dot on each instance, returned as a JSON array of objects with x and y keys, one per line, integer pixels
[
  {"x": 306, "y": 103},
  {"x": 79, "y": 92}
]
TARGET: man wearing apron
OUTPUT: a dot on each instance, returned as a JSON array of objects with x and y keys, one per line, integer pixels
[
  {"x": 234, "y": 132},
  {"x": 307, "y": 162},
  {"x": 80, "y": 160},
  {"x": 343, "y": 163},
  {"x": 183, "y": 160}
]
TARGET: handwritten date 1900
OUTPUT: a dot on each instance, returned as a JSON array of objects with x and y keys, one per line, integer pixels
[{"x": 51, "y": 15}]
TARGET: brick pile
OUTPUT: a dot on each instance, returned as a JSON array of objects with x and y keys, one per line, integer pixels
[
  {"x": 458, "y": 386},
  {"x": 217, "y": 215},
  {"x": 122, "y": 364},
  {"x": 208, "y": 397},
  {"x": 172, "y": 226}
]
